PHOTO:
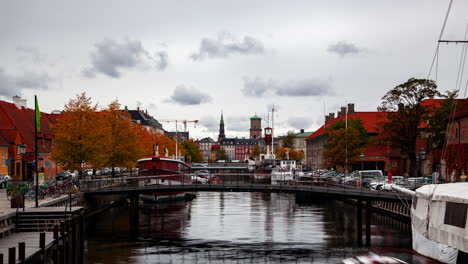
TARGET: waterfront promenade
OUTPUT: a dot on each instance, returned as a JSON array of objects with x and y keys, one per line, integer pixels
[{"x": 10, "y": 238}]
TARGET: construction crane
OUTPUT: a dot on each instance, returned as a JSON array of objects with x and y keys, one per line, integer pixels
[
  {"x": 181, "y": 121},
  {"x": 185, "y": 130}
]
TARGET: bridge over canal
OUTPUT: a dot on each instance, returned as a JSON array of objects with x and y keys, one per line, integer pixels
[{"x": 133, "y": 186}]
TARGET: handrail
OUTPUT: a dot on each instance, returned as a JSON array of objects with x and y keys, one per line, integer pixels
[{"x": 228, "y": 180}]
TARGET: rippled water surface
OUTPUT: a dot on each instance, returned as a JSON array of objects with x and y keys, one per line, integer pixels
[{"x": 242, "y": 228}]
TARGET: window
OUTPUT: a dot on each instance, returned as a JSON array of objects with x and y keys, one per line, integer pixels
[
  {"x": 455, "y": 214},
  {"x": 3, "y": 158}
]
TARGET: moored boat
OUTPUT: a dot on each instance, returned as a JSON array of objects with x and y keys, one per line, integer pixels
[
  {"x": 164, "y": 171},
  {"x": 439, "y": 222}
]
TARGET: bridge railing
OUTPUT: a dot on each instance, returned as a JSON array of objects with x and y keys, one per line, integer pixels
[{"x": 239, "y": 180}]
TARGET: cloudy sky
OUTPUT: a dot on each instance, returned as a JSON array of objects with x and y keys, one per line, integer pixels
[{"x": 193, "y": 59}]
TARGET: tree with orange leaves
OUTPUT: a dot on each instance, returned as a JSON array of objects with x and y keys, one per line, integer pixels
[
  {"x": 121, "y": 141},
  {"x": 78, "y": 137},
  {"x": 288, "y": 153},
  {"x": 150, "y": 140}
]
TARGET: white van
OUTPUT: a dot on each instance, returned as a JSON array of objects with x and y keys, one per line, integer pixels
[{"x": 367, "y": 176}]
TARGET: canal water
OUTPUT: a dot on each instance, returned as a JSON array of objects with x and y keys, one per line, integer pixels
[{"x": 242, "y": 228}]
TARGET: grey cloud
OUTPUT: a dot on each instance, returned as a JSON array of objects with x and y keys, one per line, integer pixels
[
  {"x": 30, "y": 53},
  {"x": 237, "y": 124},
  {"x": 344, "y": 48},
  {"x": 258, "y": 87},
  {"x": 225, "y": 45},
  {"x": 11, "y": 85},
  {"x": 111, "y": 57},
  {"x": 33, "y": 80},
  {"x": 141, "y": 105},
  {"x": 300, "y": 122},
  {"x": 303, "y": 88},
  {"x": 188, "y": 96},
  {"x": 210, "y": 123}
]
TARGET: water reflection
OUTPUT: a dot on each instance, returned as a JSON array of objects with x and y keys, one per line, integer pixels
[{"x": 241, "y": 228}]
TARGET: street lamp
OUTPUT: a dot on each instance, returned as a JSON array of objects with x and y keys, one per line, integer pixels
[
  {"x": 422, "y": 156},
  {"x": 362, "y": 168}
]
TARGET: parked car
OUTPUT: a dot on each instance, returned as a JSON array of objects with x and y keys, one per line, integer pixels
[
  {"x": 63, "y": 176},
  {"x": 3, "y": 180},
  {"x": 106, "y": 171},
  {"x": 200, "y": 179}
]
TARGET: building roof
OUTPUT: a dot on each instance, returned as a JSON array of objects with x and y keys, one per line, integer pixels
[
  {"x": 239, "y": 141},
  {"x": 140, "y": 117},
  {"x": 370, "y": 121},
  {"x": 3, "y": 141},
  {"x": 206, "y": 140},
  {"x": 182, "y": 135},
  {"x": 22, "y": 120},
  {"x": 255, "y": 117},
  {"x": 303, "y": 135},
  {"x": 462, "y": 110}
]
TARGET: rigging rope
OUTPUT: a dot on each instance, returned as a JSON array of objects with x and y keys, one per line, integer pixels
[{"x": 440, "y": 37}]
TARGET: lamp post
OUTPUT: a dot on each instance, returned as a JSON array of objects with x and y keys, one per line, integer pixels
[
  {"x": 422, "y": 157},
  {"x": 362, "y": 168}
]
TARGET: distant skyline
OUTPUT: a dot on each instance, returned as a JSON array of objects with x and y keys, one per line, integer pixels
[{"x": 189, "y": 60}]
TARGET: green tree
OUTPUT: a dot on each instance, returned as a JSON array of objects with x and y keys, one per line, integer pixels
[
  {"x": 192, "y": 151},
  {"x": 406, "y": 114},
  {"x": 288, "y": 140},
  {"x": 221, "y": 154},
  {"x": 438, "y": 119},
  {"x": 345, "y": 143},
  {"x": 256, "y": 152}
]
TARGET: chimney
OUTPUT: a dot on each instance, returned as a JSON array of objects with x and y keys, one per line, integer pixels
[
  {"x": 126, "y": 108},
  {"x": 327, "y": 117},
  {"x": 19, "y": 102},
  {"x": 302, "y": 130},
  {"x": 138, "y": 108},
  {"x": 332, "y": 116},
  {"x": 400, "y": 107},
  {"x": 343, "y": 110},
  {"x": 351, "y": 109},
  {"x": 338, "y": 114}
]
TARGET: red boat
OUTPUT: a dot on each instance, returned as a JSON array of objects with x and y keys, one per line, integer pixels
[{"x": 164, "y": 171}]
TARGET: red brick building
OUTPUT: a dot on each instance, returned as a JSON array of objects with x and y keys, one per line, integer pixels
[
  {"x": 17, "y": 130},
  {"x": 375, "y": 157},
  {"x": 455, "y": 156}
]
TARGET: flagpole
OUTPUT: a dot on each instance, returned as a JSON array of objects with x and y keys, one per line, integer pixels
[{"x": 35, "y": 147}]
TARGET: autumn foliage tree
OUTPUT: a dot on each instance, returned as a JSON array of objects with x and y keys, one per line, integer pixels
[
  {"x": 288, "y": 153},
  {"x": 151, "y": 141},
  {"x": 121, "y": 137},
  {"x": 345, "y": 143},
  {"x": 78, "y": 137}
]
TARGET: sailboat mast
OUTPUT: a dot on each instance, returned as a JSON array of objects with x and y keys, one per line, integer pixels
[
  {"x": 346, "y": 139},
  {"x": 272, "y": 129}
]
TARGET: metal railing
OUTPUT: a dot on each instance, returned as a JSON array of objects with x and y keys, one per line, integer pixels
[{"x": 231, "y": 181}]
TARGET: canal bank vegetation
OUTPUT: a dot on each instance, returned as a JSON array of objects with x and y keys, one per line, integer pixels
[{"x": 86, "y": 136}]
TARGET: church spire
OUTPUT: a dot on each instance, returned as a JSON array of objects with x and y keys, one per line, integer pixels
[{"x": 221, "y": 135}]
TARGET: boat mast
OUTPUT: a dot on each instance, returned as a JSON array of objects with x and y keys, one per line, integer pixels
[{"x": 272, "y": 127}]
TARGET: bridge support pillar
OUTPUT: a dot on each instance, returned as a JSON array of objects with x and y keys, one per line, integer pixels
[
  {"x": 134, "y": 215},
  {"x": 368, "y": 222},
  {"x": 359, "y": 222}
]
